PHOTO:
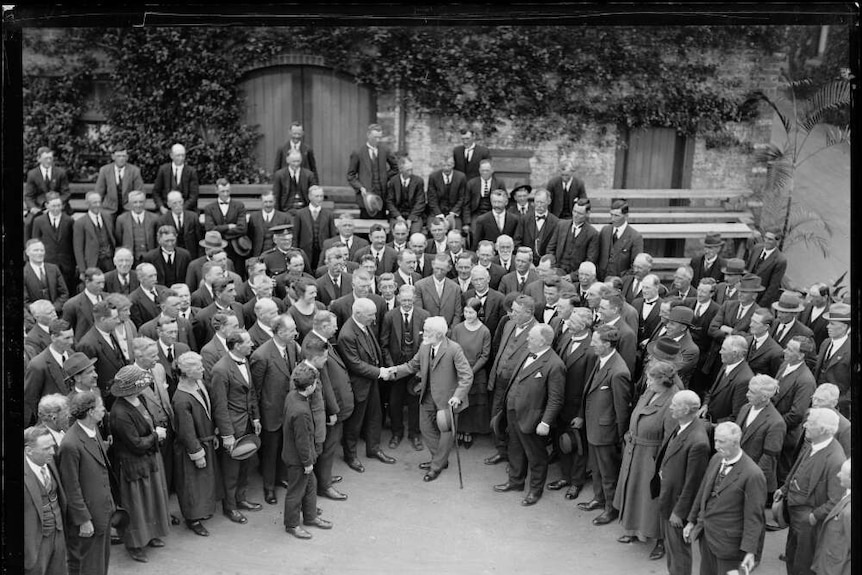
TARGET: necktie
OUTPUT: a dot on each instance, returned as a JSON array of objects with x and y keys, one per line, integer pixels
[
  {"x": 55, "y": 222},
  {"x": 170, "y": 259},
  {"x": 98, "y": 223},
  {"x": 406, "y": 325},
  {"x": 831, "y": 350},
  {"x": 122, "y": 279},
  {"x": 446, "y": 180},
  {"x": 521, "y": 283},
  {"x": 373, "y": 152},
  {"x": 616, "y": 236},
  {"x": 379, "y": 257},
  {"x": 119, "y": 179},
  {"x": 40, "y": 274},
  {"x": 722, "y": 473},
  {"x": 439, "y": 290},
  {"x": 433, "y": 353},
  {"x": 410, "y": 280},
  {"x": 177, "y": 176},
  {"x": 523, "y": 211},
  {"x": 155, "y": 295},
  {"x": 485, "y": 185},
  {"x": 46, "y": 478},
  {"x": 170, "y": 354},
  {"x": 296, "y": 177},
  {"x": 48, "y": 174},
  {"x": 762, "y": 256},
  {"x": 779, "y": 333},
  {"x": 468, "y": 153},
  {"x": 576, "y": 230}
]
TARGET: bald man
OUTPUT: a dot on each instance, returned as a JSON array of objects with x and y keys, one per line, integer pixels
[{"x": 176, "y": 175}]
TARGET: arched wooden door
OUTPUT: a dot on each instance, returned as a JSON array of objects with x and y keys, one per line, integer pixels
[{"x": 334, "y": 110}]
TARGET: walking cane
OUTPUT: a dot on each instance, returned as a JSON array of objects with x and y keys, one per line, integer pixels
[{"x": 457, "y": 452}]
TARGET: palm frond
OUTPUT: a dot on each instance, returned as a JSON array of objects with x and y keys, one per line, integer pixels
[
  {"x": 779, "y": 175},
  {"x": 830, "y": 96},
  {"x": 836, "y": 136},
  {"x": 785, "y": 121},
  {"x": 810, "y": 228}
]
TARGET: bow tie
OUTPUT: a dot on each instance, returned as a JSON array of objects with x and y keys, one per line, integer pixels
[
  {"x": 533, "y": 356},
  {"x": 550, "y": 308},
  {"x": 225, "y": 203},
  {"x": 238, "y": 362},
  {"x": 540, "y": 218}
]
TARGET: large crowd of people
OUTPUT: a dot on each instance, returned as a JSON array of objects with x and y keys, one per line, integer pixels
[{"x": 167, "y": 352}]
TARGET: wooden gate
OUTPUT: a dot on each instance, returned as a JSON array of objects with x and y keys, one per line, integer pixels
[{"x": 334, "y": 110}]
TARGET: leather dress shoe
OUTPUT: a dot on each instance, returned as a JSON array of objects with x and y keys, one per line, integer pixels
[
  {"x": 319, "y": 511},
  {"x": 198, "y": 528},
  {"x": 319, "y": 523},
  {"x": 380, "y": 456},
  {"x": 282, "y": 482},
  {"x": 657, "y": 551},
  {"x": 333, "y": 493},
  {"x": 532, "y": 498},
  {"x": 175, "y": 520},
  {"x": 235, "y": 516},
  {"x": 138, "y": 554},
  {"x": 606, "y": 517},
  {"x": 269, "y": 496},
  {"x": 774, "y": 527},
  {"x": 417, "y": 443},
  {"x": 468, "y": 441},
  {"x": 495, "y": 459},
  {"x": 116, "y": 539},
  {"x": 426, "y": 465},
  {"x": 591, "y": 505},
  {"x": 298, "y": 532},
  {"x": 573, "y": 492},
  {"x": 508, "y": 486},
  {"x": 395, "y": 442},
  {"x": 248, "y": 505},
  {"x": 355, "y": 465},
  {"x": 558, "y": 484},
  {"x": 431, "y": 475},
  {"x": 156, "y": 543},
  {"x": 336, "y": 479},
  {"x": 626, "y": 539}
]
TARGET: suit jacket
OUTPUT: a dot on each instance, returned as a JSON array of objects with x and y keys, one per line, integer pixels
[
  {"x": 172, "y": 374},
  {"x": 410, "y": 203},
  {"x": 112, "y": 283},
  {"x": 448, "y": 306},
  {"x": 85, "y": 473},
  {"x": 33, "y": 510},
  {"x": 793, "y": 398},
  {"x": 214, "y": 220},
  {"x": 606, "y": 405},
  {"x": 190, "y": 235},
  {"x": 698, "y": 264},
  {"x": 37, "y": 187},
  {"x": 56, "y": 291},
  {"x": 303, "y": 229},
  {"x": 258, "y": 230},
  {"x": 509, "y": 282},
  {"x": 165, "y": 183},
  {"x": 474, "y": 196},
  {"x": 615, "y": 258},
  {"x": 327, "y": 292},
  {"x": 114, "y": 200},
  {"x": 185, "y": 334},
  {"x": 362, "y": 355},
  {"x": 211, "y": 352},
  {"x": 86, "y": 241},
  {"x": 572, "y": 251},
  {"x": 726, "y": 315},
  {"x": 627, "y": 346},
  {"x": 771, "y": 272},
  {"x": 388, "y": 261},
  {"x": 59, "y": 248},
  {"x": 201, "y": 297},
  {"x": 817, "y": 326},
  {"x": 143, "y": 308},
  {"x": 270, "y": 374},
  {"x": 798, "y": 328},
  {"x": 356, "y": 244},
  {"x": 359, "y": 169},
  {"x": 336, "y": 376},
  {"x": 471, "y": 168},
  {"x": 446, "y": 376},
  {"x": 647, "y": 326},
  {"x": 108, "y": 361},
  {"x": 541, "y": 389},
  {"x": 234, "y": 400},
  {"x": 492, "y": 310},
  {"x": 400, "y": 281},
  {"x": 308, "y": 161},
  {"x": 176, "y": 273},
  {"x": 249, "y": 317},
  {"x": 123, "y": 230},
  {"x": 443, "y": 200},
  {"x": 728, "y": 394},
  {"x": 392, "y": 334},
  {"x": 203, "y": 329},
  {"x": 762, "y": 440},
  {"x": 835, "y": 369},
  {"x": 733, "y": 518},
  {"x": 689, "y": 359},
  {"x": 78, "y": 311},
  {"x": 42, "y": 376},
  {"x": 563, "y": 200},
  {"x": 534, "y": 239},
  {"x": 485, "y": 228},
  {"x": 36, "y": 340},
  {"x": 343, "y": 309},
  {"x": 821, "y": 470},
  {"x": 720, "y": 295},
  {"x": 680, "y": 470},
  {"x": 765, "y": 359},
  {"x": 700, "y": 326},
  {"x": 281, "y": 182},
  {"x": 628, "y": 289},
  {"x": 579, "y": 365},
  {"x": 832, "y": 554}
]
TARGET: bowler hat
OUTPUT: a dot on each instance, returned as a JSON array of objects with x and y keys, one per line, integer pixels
[
  {"x": 281, "y": 229},
  {"x": 444, "y": 420},
  {"x": 681, "y": 314},
  {"x": 750, "y": 282},
  {"x": 571, "y": 441},
  {"x": 245, "y": 447},
  {"x": 734, "y": 266},
  {"x": 119, "y": 519},
  {"x": 373, "y": 204},
  {"x": 76, "y": 363},
  {"x": 838, "y": 312},
  {"x": 665, "y": 348},
  {"x": 526, "y": 187},
  {"x": 713, "y": 241},
  {"x": 789, "y": 302},
  {"x": 130, "y": 380},
  {"x": 780, "y": 513},
  {"x": 241, "y": 245},
  {"x": 212, "y": 239}
]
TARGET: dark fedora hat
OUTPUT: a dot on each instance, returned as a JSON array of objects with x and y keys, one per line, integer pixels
[
  {"x": 750, "y": 282},
  {"x": 119, "y": 519},
  {"x": 245, "y": 447},
  {"x": 837, "y": 312},
  {"x": 713, "y": 241},
  {"x": 734, "y": 266},
  {"x": 76, "y": 363},
  {"x": 520, "y": 187},
  {"x": 130, "y": 380},
  {"x": 665, "y": 348},
  {"x": 789, "y": 302},
  {"x": 241, "y": 245},
  {"x": 373, "y": 204},
  {"x": 571, "y": 441},
  {"x": 212, "y": 239},
  {"x": 681, "y": 314}
]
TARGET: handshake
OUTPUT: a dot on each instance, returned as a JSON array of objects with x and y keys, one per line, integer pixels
[{"x": 387, "y": 373}]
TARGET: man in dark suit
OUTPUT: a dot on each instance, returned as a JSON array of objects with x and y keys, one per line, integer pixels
[
  {"x": 468, "y": 157},
  {"x": 796, "y": 386},
  {"x": 313, "y": 225},
  {"x": 43, "y": 179},
  {"x": 145, "y": 299},
  {"x": 447, "y": 193},
  {"x": 203, "y": 296},
  {"x": 575, "y": 241},
  {"x": 290, "y": 184},
  {"x": 345, "y": 236},
  {"x": 335, "y": 283},
  {"x": 78, "y": 310},
  {"x": 176, "y": 175},
  {"x": 489, "y": 226},
  {"x": 121, "y": 279},
  {"x": 117, "y": 179},
  {"x": 439, "y": 295},
  {"x": 708, "y": 265},
  {"x": 236, "y": 411},
  {"x": 400, "y": 339},
  {"x": 418, "y": 244},
  {"x": 169, "y": 349},
  {"x": 405, "y": 197},
  {"x": 727, "y": 514},
  {"x": 734, "y": 316},
  {"x": 223, "y": 323},
  {"x": 295, "y": 143},
  {"x": 833, "y": 361},
  {"x": 763, "y": 428},
  {"x": 186, "y": 222},
  {"x": 86, "y": 476},
  {"x": 368, "y": 170},
  {"x": 224, "y": 297},
  {"x": 343, "y": 306},
  {"x": 478, "y": 196},
  {"x": 169, "y": 303},
  {"x": 826, "y": 395},
  {"x": 705, "y": 309},
  {"x": 647, "y": 305},
  {"x": 385, "y": 256},
  {"x": 619, "y": 243},
  {"x": 93, "y": 237},
  {"x": 565, "y": 190},
  {"x": 43, "y": 280},
  {"x": 523, "y": 275},
  {"x": 539, "y": 226},
  {"x": 54, "y": 228},
  {"x": 764, "y": 355},
  {"x": 726, "y": 290},
  {"x": 101, "y": 344},
  {"x": 43, "y": 375},
  {"x": 727, "y": 394},
  {"x": 357, "y": 344},
  {"x": 816, "y": 305},
  {"x": 485, "y": 253},
  {"x": 271, "y": 365},
  {"x": 170, "y": 261},
  {"x": 136, "y": 229},
  {"x": 679, "y": 467},
  {"x": 260, "y": 222},
  {"x": 681, "y": 287},
  {"x": 39, "y": 336},
  {"x": 44, "y": 506},
  {"x": 405, "y": 271},
  {"x": 610, "y": 310},
  {"x": 767, "y": 261},
  {"x": 227, "y": 217},
  {"x": 492, "y": 301},
  {"x": 632, "y": 283},
  {"x": 812, "y": 488},
  {"x": 787, "y": 327},
  {"x": 604, "y": 414}
]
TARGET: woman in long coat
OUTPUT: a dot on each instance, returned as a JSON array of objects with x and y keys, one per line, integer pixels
[
  {"x": 195, "y": 464},
  {"x": 142, "y": 485},
  {"x": 475, "y": 339},
  {"x": 650, "y": 423}
]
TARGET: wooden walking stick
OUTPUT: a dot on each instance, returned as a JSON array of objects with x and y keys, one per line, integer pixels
[{"x": 457, "y": 452}]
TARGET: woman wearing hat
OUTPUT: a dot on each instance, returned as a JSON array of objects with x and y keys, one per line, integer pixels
[
  {"x": 650, "y": 423},
  {"x": 195, "y": 463},
  {"x": 143, "y": 490},
  {"x": 475, "y": 339}
]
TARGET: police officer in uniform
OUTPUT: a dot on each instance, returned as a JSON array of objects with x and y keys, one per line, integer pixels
[{"x": 277, "y": 259}]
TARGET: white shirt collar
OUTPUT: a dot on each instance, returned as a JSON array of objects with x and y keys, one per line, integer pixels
[
  {"x": 266, "y": 330},
  {"x": 731, "y": 366},
  {"x": 56, "y": 355},
  {"x": 733, "y": 461},
  {"x": 91, "y": 433},
  {"x": 439, "y": 283},
  {"x": 815, "y": 447},
  {"x": 37, "y": 469},
  {"x": 767, "y": 253},
  {"x": 620, "y": 230},
  {"x": 682, "y": 426},
  {"x": 57, "y": 435},
  {"x": 758, "y": 341},
  {"x": 836, "y": 343},
  {"x": 604, "y": 360},
  {"x": 791, "y": 368}
]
